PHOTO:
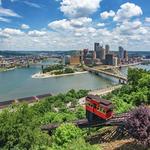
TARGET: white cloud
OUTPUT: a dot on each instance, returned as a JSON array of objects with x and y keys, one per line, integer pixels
[
  {"x": 8, "y": 12},
  {"x": 129, "y": 27},
  {"x": 4, "y": 13},
  {"x": 80, "y": 22},
  {"x": 78, "y": 32},
  {"x": 32, "y": 4},
  {"x": 80, "y": 38},
  {"x": 127, "y": 11},
  {"x": 2, "y": 19},
  {"x": 65, "y": 24},
  {"x": 101, "y": 24},
  {"x": 106, "y": 15},
  {"x": 78, "y": 8},
  {"x": 12, "y": 32},
  {"x": 25, "y": 26},
  {"x": 36, "y": 33},
  {"x": 147, "y": 19}
]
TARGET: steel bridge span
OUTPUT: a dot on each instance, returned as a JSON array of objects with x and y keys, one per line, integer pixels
[{"x": 96, "y": 71}]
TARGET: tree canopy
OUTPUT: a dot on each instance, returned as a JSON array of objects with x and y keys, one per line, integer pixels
[
  {"x": 134, "y": 93},
  {"x": 20, "y": 124}
]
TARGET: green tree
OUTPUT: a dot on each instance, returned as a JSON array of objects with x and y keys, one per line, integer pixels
[
  {"x": 80, "y": 112},
  {"x": 66, "y": 133},
  {"x": 80, "y": 144},
  {"x": 69, "y": 70},
  {"x": 139, "y": 97},
  {"x": 19, "y": 129},
  {"x": 120, "y": 105},
  {"x": 134, "y": 75},
  {"x": 144, "y": 81}
]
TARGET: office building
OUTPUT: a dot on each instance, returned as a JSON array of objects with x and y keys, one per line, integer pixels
[
  {"x": 97, "y": 49},
  {"x": 115, "y": 61},
  {"x": 126, "y": 55},
  {"x": 102, "y": 53},
  {"x": 94, "y": 55},
  {"x": 89, "y": 61},
  {"x": 85, "y": 52},
  {"x": 74, "y": 60},
  {"x": 96, "y": 46},
  {"x": 109, "y": 59},
  {"x": 121, "y": 52},
  {"x": 107, "y": 48},
  {"x": 66, "y": 59}
]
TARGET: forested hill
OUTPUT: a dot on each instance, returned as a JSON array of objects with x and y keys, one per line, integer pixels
[{"x": 20, "y": 124}]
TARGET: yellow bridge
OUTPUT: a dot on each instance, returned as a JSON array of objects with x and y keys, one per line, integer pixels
[{"x": 93, "y": 70}]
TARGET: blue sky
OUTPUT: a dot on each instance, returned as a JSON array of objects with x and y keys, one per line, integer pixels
[{"x": 74, "y": 24}]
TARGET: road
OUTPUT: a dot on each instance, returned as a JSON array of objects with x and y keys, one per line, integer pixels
[{"x": 100, "y": 92}]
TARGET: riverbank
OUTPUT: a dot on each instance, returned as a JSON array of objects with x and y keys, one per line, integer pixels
[
  {"x": 47, "y": 75},
  {"x": 100, "y": 92},
  {"x": 34, "y": 99},
  {"x": 5, "y": 69},
  {"x": 29, "y": 100}
]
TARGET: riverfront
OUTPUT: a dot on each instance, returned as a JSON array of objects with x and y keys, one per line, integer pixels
[
  {"x": 47, "y": 75},
  {"x": 19, "y": 83}
]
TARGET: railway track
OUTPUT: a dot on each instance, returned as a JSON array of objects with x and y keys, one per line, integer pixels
[{"x": 118, "y": 120}]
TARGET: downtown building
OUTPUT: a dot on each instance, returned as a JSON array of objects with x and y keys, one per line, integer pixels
[
  {"x": 109, "y": 59},
  {"x": 121, "y": 52},
  {"x": 100, "y": 51},
  {"x": 122, "y": 55}
]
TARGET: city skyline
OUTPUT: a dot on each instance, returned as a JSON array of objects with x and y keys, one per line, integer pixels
[{"x": 74, "y": 24}]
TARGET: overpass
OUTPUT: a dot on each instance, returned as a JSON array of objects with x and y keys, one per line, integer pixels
[{"x": 96, "y": 71}]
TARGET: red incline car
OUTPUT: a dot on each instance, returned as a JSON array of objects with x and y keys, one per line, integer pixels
[{"x": 98, "y": 108}]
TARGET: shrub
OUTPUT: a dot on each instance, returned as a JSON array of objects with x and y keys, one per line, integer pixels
[
  {"x": 138, "y": 125},
  {"x": 66, "y": 133}
]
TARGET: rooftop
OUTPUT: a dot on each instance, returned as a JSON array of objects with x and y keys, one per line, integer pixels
[{"x": 100, "y": 100}]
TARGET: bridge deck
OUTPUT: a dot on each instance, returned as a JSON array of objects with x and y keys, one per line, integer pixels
[{"x": 106, "y": 73}]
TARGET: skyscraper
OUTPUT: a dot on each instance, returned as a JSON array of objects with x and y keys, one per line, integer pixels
[
  {"x": 125, "y": 55},
  {"x": 107, "y": 48},
  {"x": 109, "y": 59},
  {"x": 102, "y": 53},
  {"x": 96, "y": 46},
  {"x": 94, "y": 55},
  {"x": 85, "y": 52},
  {"x": 97, "y": 50},
  {"x": 115, "y": 61},
  {"x": 121, "y": 52}
]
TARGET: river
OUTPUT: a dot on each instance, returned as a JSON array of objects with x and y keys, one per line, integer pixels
[{"x": 18, "y": 83}]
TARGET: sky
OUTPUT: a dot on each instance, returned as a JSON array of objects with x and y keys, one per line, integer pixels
[{"x": 74, "y": 24}]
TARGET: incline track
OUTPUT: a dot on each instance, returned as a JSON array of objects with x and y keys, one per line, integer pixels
[{"x": 83, "y": 123}]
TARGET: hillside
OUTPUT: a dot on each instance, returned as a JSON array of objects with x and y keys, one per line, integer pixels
[{"x": 20, "y": 124}]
